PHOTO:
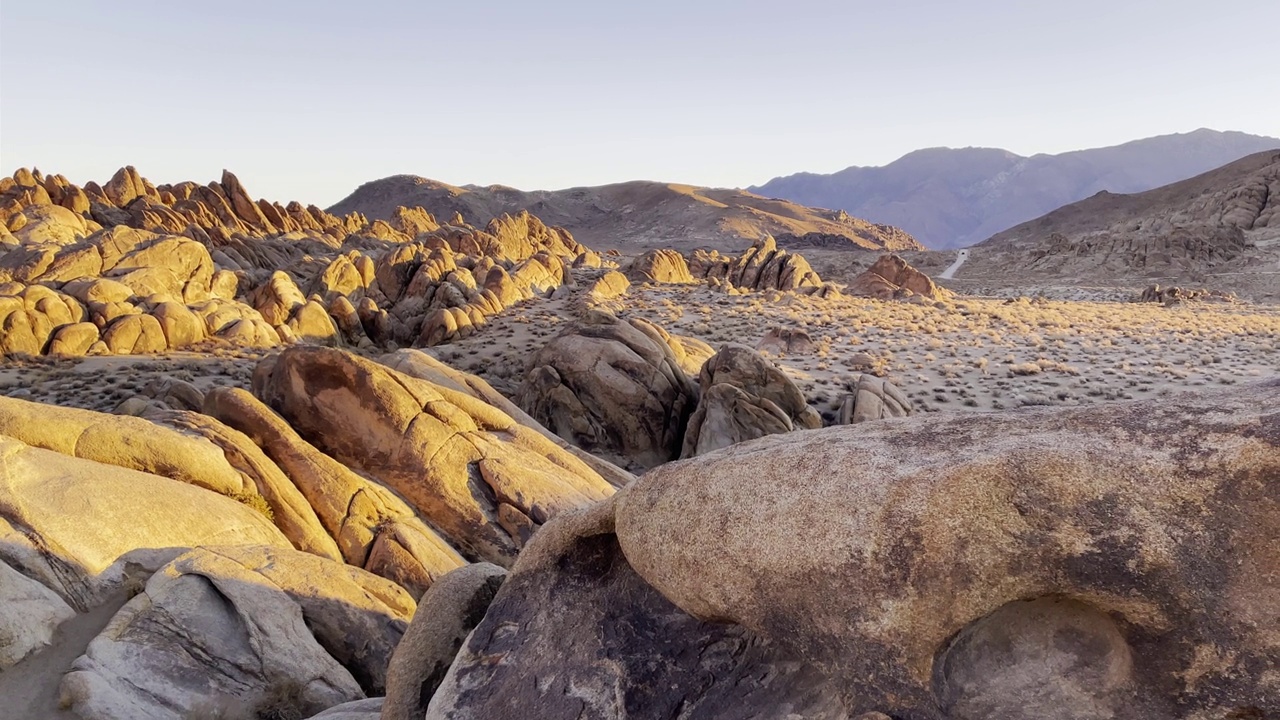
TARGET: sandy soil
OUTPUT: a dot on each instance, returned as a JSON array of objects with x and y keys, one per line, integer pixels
[
  {"x": 972, "y": 354},
  {"x": 30, "y": 688}
]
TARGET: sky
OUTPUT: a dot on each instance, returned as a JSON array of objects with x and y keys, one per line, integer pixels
[{"x": 307, "y": 100}]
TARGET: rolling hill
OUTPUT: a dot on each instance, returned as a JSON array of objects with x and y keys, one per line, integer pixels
[{"x": 635, "y": 215}]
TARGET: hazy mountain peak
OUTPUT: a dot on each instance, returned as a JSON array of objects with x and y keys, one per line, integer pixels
[{"x": 954, "y": 197}]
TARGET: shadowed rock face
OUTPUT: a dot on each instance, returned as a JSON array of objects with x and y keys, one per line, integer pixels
[
  {"x": 743, "y": 396},
  {"x": 899, "y": 556},
  {"x": 613, "y": 387},
  {"x": 575, "y": 634}
]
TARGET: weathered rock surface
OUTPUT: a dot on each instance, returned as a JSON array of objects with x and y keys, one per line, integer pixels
[
  {"x": 611, "y": 285},
  {"x": 743, "y": 396},
  {"x": 124, "y": 442},
  {"x": 1050, "y": 564},
  {"x": 482, "y": 479},
  {"x": 581, "y": 636},
  {"x": 446, "y": 615},
  {"x": 873, "y": 399},
  {"x": 612, "y": 389},
  {"x": 373, "y": 527},
  {"x": 419, "y": 364},
  {"x": 271, "y": 630},
  {"x": 660, "y": 266},
  {"x": 290, "y": 510},
  {"x": 367, "y": 709},
  {"x": 29, "y": 613},
  {"x": 45, "y": 498}
]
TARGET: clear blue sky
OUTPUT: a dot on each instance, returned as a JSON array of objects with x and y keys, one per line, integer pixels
[{"x": 306, "y": 100}]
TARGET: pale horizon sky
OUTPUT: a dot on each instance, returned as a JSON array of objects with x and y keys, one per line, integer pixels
[{"x": 307, "y": 100}]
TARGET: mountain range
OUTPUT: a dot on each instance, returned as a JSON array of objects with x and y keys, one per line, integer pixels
[
  {"x": 1224, "y": 223},
  {"x": 949, "y": 198},
  {"x": 634, "y": 215}
]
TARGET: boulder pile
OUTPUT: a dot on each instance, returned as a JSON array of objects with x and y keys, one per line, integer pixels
[
  {"x": 1056, "y": 564},
  {"x": 259, "y": 556},
  {"x": 130, "y": 268}
]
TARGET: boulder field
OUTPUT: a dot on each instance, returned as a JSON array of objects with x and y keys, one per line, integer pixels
[{"x": 355, "y": 541}]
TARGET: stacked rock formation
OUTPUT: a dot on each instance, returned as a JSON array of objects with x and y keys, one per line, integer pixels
[
  {"x": 872, "y": 398},
  {"x": 128, "y": 267}
]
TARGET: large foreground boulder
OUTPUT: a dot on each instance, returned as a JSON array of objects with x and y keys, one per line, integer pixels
[
  {"x": 482, "y": 479},
  {"x": 1111, "y": 561},
  {"x": 613, "y": 388},
  {"x": 576, "y": 634},
  {"x": 243, "y": 631}
]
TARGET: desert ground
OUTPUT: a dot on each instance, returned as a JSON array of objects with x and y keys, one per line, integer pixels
[{"x": 970, "y": 353}]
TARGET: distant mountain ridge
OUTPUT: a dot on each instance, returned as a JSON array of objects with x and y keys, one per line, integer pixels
[
  {"x": 948, "y": 198},
  {"x": 1222, "y": 226},
  {"x": 636, "y": 214}
]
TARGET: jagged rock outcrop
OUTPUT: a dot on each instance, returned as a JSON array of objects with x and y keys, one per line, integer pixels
[
  {"x": 762, "y": 267},
  {"x": 611, "y": 388},
  {"x": 971, "y": 548},
  {"x": 482, "y": 479},
  {"x": 194, "y": 247},
  {"x": 1174, "y": 295},
  {"x": 891, "y": 278},
  {"x": 744, "y": 396}
]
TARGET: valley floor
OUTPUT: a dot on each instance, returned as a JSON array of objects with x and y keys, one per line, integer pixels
[{"x": 968, "y": 354}]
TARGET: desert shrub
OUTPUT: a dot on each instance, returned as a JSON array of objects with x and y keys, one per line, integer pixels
[{"x": 257, "y": 502}]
